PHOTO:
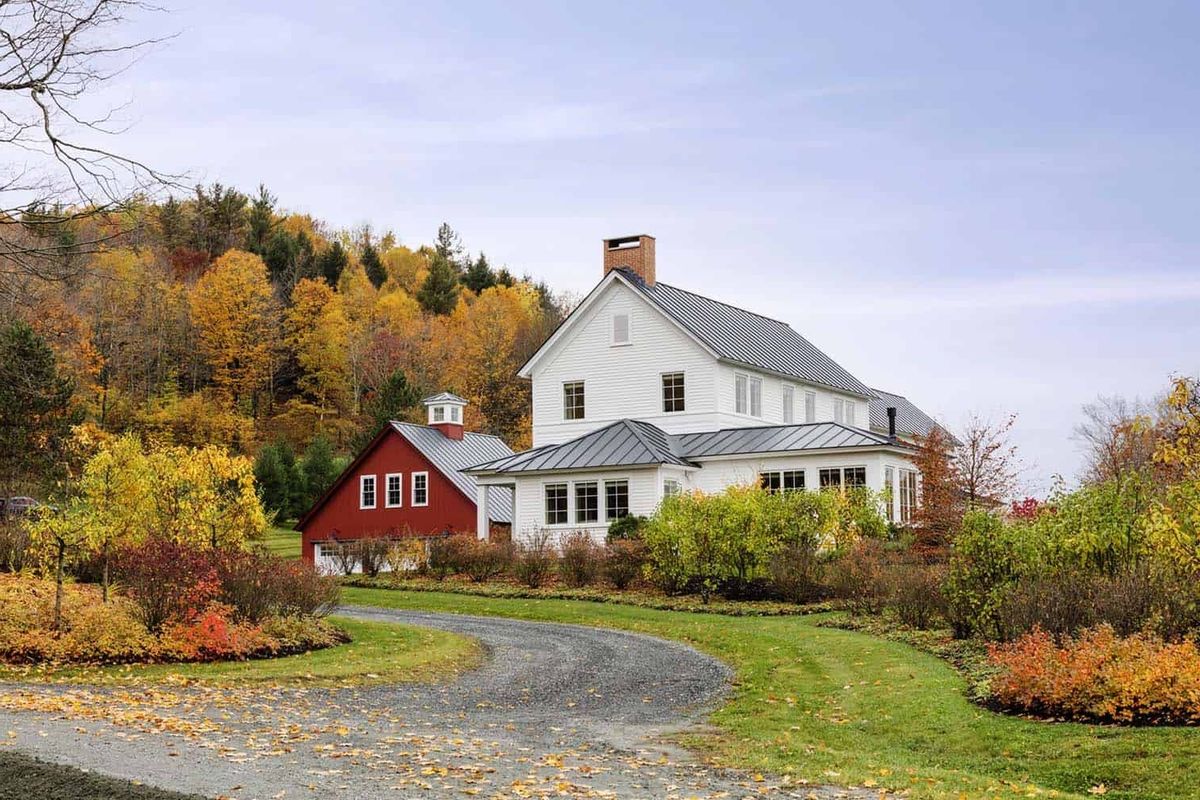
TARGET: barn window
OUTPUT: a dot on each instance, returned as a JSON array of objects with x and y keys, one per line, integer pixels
[
  {"x": 394, "y": 484},
  {"x": 616, "y": 499},
  {"x": 366, "y": 491},
  {"x": 439, "y": 413},
  {"x": 420, "y": 488},
  {"x": 573, "y": 400},
  {"x": 587, "y": 502},
  {"x": 556, "y": 504},
  {"x": 672, "y": 387}
]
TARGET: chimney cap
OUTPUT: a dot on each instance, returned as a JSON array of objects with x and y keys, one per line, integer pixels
[
  {"x": 626, "y": 241},
  {"x": 443, "y": 398}
]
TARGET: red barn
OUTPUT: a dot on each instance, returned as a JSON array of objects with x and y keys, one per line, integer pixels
[{"x": 408, "y": 481}]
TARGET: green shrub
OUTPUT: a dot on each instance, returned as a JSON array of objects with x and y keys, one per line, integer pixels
[
  {"x": 1098, "y": 527},
  {"x": 629, "y": 526},
  {"x": 986, "y": 556},
  {"x": 580, "y": 561}
]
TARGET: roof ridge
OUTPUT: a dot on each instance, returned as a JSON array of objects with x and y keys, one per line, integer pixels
[
  {"x": 432, "y": 428},
  {"x": 633, "y": 424}
]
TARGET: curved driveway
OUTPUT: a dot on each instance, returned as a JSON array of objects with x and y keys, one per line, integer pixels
[{"x": 557, "y": 710}]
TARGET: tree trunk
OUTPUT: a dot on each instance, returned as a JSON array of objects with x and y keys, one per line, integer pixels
[
  {"x": 104, "y": 581},
  {"x": 58, "y": 586}
]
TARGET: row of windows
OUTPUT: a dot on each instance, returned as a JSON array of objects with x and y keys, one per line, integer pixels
[
  {"x": 747, "y": 399},
  {"x": 789, "y": 480},
  {"x": 393, "y": 490},
  {"x": 587, "y": 502},
  {"x": 673, "y": 396}
]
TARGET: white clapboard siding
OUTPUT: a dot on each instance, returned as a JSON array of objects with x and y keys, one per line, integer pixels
[{"x": 645, "y": 492}]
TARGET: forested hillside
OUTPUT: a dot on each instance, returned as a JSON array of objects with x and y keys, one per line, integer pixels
[{"x": 223, "y": 319}]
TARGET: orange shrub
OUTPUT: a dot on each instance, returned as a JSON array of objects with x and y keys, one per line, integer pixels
[{"x": 1100, "y": 676}]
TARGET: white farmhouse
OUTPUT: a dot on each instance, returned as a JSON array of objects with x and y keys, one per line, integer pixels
[{"x": 647, "y": 389}]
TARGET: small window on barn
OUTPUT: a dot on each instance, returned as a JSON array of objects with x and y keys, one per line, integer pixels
[
  {"x": 394, "y": 486},
  {"x": 366, "y": 491},
  {"x": 439, "y": 413},
  {"x": 420, "y": 488},
  {"x": 454, "y": 415}
]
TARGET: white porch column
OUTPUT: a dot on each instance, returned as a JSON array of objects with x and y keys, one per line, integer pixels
[{"x": 481, "y": 511}]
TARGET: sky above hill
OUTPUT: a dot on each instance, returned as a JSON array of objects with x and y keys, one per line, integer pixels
[{"x": 987, "y": 210}]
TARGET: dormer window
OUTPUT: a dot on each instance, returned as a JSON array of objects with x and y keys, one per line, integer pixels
[
  {"x": 439, "y": 413},
  {"x": 455, "y": 415},
  {"x": 620, "y": 328}
]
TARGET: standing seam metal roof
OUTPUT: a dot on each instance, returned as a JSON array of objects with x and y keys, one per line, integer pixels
[
  {"x": 629, "y": 443},
  {"x": 735, "y": 334},
  {"x": 451, "y": 456},
  {"x": 909, "y": 419}
]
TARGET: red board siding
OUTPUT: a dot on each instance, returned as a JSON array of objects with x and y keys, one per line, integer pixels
[{"x": 448, "y": 509}]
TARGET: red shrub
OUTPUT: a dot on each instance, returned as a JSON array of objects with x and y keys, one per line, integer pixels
[
  {"x": 167, "y": 582},
  {"x": 1100, "y": 676}
]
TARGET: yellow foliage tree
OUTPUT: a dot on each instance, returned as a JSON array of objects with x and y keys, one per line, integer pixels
[
  {"x": 1173, "y": 527},
  {"x": 114, "y": 485},
  {"x": 56, "y": 532},
  {"x": 406, "y": 269},
  {"x": 234, "y": 312},
  {"x": 318, "y": 333}
]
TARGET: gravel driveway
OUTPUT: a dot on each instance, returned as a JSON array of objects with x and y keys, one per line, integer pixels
[{"x": 557, "y": 710}]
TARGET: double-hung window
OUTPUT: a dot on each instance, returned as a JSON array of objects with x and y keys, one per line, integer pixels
[
  {"x": 672, "y": 389},
  {"x": 839, "y": 410},
  {"x": 366, "y": 491},
  {"x": 616, "y": 499},
  {"x": 741, "y": 394},
  {"x": 789, "y": 405},
  {"x": 587, "y": 502},
  {"x": 573, "y": 400},
  {"x": 788, "y": 480},
  {"x": 850, "y": 413},
  {"x": 810, "y": 406},
  {"x": 556, "y": 504},
  {"x": 394, "y": 490},
  {"x": 889, "y": 493},
  {"x": 439, "y": 413},
  {"x": 756, "y": 397},
  {"x": 672, "y": 487},
  {"x": 420, "y": 488}
]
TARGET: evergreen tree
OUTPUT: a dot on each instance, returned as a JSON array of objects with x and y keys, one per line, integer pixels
[
  {"x": 439, "y": 292},
  {"x": 173, "y": 225},
  {"x": 385, "y": 403},
  {"x": 479, "y": 275},
  {"x": 295, "y": 480},
  {"x": 373, "y": 266},
  {"x": 332, "y": 262},
  {"x": 506, "y": 278},
  {"x": 449, "y": 246},
  {"x": 35, "y": 410},
  {"x": 271, "y": 477},
  {"x": 318, "y": 468},
  {"x": 280, "y": 257},
  {"x": 260, "y": 219}
]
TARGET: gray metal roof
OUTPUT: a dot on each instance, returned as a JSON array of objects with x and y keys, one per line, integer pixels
[
  {"x": 910, "y": 420},
  {"x": 443, "y": 397},
  {"x": 735, "y": 334},
  {"x": 631, "y": 443},
  {"x": 625, "y": 443},
  {"x": 451, "y": 456},
  {"x": 775, "y": 439}
]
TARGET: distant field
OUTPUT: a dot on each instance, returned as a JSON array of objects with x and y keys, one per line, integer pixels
[{"x": 283, "y": 542}]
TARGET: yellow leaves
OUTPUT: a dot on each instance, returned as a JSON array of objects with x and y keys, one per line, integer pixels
[
  {"x": 233, "y": 310},
  {"x": 318, "y": 331}
]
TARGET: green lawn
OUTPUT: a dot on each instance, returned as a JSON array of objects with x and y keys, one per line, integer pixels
[
  {"x": 379, "y": 653},
  {"x": 835, "y": 706},
  {"x": 282, "y": 541}
]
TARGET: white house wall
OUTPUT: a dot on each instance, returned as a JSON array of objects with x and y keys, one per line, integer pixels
[
  {"x": 773, "y": 400},
  {"x": 645, "y": 493},
  {"x": 622, "y": 381}
]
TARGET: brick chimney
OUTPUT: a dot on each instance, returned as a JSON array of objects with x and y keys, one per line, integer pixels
[
  {"x": 633, "y": 252},
  {"x": 446, "y": 414}
]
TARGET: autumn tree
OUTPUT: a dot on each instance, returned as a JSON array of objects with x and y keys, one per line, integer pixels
[
  {"x": 55, "y": 532},
  {"x": 235, "y": 317},
  {"x": 1118, "y": 437},
  {"x": 113, "y": 487},
  {"x": 317, "y": 333},
  {"x": 986, "y": 463},
  {"x": 36, "y": 412},
  {"x": 940, "y": 510}
]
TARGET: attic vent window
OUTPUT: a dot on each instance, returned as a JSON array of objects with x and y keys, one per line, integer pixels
[{"x": 620, "y": 329}]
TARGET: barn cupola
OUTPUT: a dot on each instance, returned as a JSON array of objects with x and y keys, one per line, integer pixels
[{"x": 446, "y": 414}]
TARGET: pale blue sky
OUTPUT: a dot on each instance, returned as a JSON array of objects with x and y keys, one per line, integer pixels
[{"x": 986, "y": 209}]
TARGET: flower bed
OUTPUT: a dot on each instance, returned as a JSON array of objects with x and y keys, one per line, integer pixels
[{"x": 95, "y": 632}]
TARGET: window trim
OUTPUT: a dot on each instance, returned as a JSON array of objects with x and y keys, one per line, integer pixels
[
  {"x": 362, "y": 490},
  {"x": 608, "y": 511},
  {"x": 582, "y": 401},
  {"x": 413, "y": 489},
  {"x": 566, "y": 510},
  {"x": 682, "y": 399},
  {"x": 387, "y": 490},
  {"x": 574, "y": 495},
  {"x": 612, "y": 329}
]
